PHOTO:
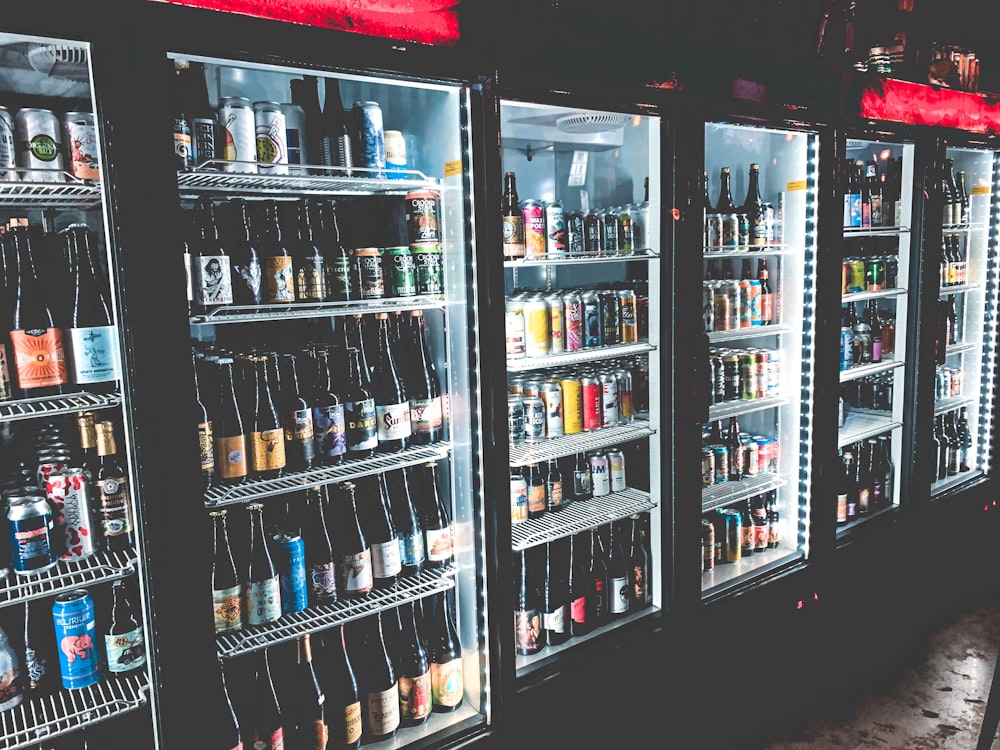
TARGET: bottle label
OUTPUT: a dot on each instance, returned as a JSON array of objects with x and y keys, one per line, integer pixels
[
  {"x": 275, "y": 742},
  {"x": 578, "y": 610},
  {"x": 39, "y": 357},
  {"x": 314, "y": 736},
  {"x": 355, "y": 573},
  {"x": 312, "y": 280},
  {"x": 426, "y": 415},
  {"x": 340, "y": 275},
  {"x": 411, "y": 548},
  {"x": 280, "y": 279},
  {"x": 386, "y": 561},
  {"x": 554, "y": 494},
  {"x": 330, "y": 430},
  {"x": 600, "y": 602},
  {"x": 323, "y": 580},
  {"x": 231, "y": 456},
  {"x": 536, "y": 498},
  {"x": 841, "y": 508},
  {"x": 864, "y": 499},
  {"x": 249, "y": 276},
  {"x": 206, "y": 447},
  {"x": 393, "y": 421},
  {"x": 619, "y": 595},
  {"x": 527, "y": 630},
  {"x": 582, "y": 483},
  {"x": 440, "y": 544},
  {"x": 415, "y": 697},
  {"x": 267, "y": 450},
  {"x": 362, "y": 425},
  {"x": 513, "y": 235},
  {"x": 113, "y": 506},
  {"x": 5, "y": 384},
  {"x": 11, "y": 693},
  {"x": 300, "y": 428},
  {"x": 555, "y": 621},
  {"x": 639, "y": 592},
  {"x": 446, "y": 683},
  {"x": 212, "y": 282},
  {"x": 125, "y": 651},
  {"x": 352, "y": 724},
  {"x": 228, "y": 609},
  {"x": 94, "y": 354},
  {"x": 383, "y": 711},
  {"x": 263, "y": 601},
  {"x": 766, "y": 307}
]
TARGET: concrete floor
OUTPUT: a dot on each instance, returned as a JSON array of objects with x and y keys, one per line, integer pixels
[{"x": 931, "y": 699}]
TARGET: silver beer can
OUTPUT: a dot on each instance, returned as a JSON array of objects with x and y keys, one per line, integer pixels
[
  {"x": 81, "y": 145},
  {"x": 616, "y": 469},
  {"x": 272, "y": 140},
  {"x": 237, "y": 118},
  {"x": 295, "y": 133},
  {"x": 534, "y": 419},
  {"x": 371, "y": 137},
  {"x": 515, "y": 420},
  {"x": 551, "y": 394},
  {"x": 38, "y": 135},
  {"x": 609, "y": 399},
  {"x": 600, "y": 475}
]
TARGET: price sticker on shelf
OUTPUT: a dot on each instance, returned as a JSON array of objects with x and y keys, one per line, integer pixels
[
  {"x": 453, "y": 168},
  {"x": 796, "y": 185}
]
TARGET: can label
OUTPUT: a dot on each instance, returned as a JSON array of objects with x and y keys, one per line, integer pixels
[
  {"x": 402, "y": 279},
  {"x": 616, "y": 469},
  {"x": 39, "y": 145},
  {"x": 514, "y": 333},
  {"x": 600, "y": 476},
  {"x": 125, "y": 651},
  {"x": 69, "y": 493},
  {"x": 592, "y": 322},
  {"x": 609, "y": 400},
  {"x": 555, "y": 230},
  {"x": 395, "y": 155},
  {"x": 428, "y": 261},
  {"x": 534, "y": 229},
  {"x": 629, "y": 322},
  {"x": 557, "y": 342},
  {"x": 31, "y": 536},
  {"x": 238, "y": 120},
  {"x": 81, "y": 142},
  {"x": 574, "y": 234},
  {"x": 592, "y": 401},
  {"x": 75, "y": 631},
  {"x": 271, "y": 139},
  {"x": 536, "y": 328},
  {"x": 367, "y": 277},
  {"x": 204, "y": 145},
  {"x": 573, "y": 315},
  {"x": 515, "y": 420},
  {"x": 534, "y": 419},
  {"x": 426, "y": 415},
  {"x": 572, "y": 402},
  {"x": 518, "y": 499},
  {"x": 552, "y": 396},
  {"x": 371, "y": 136},
  {"x": 423, "y": 216}
]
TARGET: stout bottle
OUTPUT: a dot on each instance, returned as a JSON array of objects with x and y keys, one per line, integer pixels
[
  {"x": 245, "y": 258},
  {"x": 725, "y": 203},
  {"x": 583, "y": 481},
  {"x": 405, "y": 516},
  {"x": 424, "y": 386},
  {"x": 262, "y": 591},
  {"x": 227, "y": 429},
  {"x": 359, "y": 410},
  {"x": 338, "y": 260},
  {"x": 328, "y": 415},
  {"x": 267, "y": 437},
  {"x": 321, "y": 562},
  {"x": 439, "y": 531},
  {"x": 203, "y": 429},
  {"x": 311, "y": 273},
  {"x": 354, "y": 557},
  {"x": 597, "y": 572},
  {"x": 268, "y": 726},
  {"x": 279, "y": 267},
  {"x": 296, "y": 418},
  {"x": 513, "y": 219},
  {"x": 618, "y": 576},
  {"x": 227, "y": 599},
  {"x": 414, "y": 671},
  {"x": 392, "y": 405},
  {"x": 445, "y": 653},
  {"x": 381, "y": 688},
  {"x": 311, "y": 729},
  {"x": 343, "y": 702},
  {"x": 114, "y": 498},
  {"x": 755, "y": 209},
  {"x": 640, "y": 566},
  {"x": 528, "y": 633},
  {"x": 382, "y": 537},
  {"x": 124, "y": 645},
  {"x": 211, "y": 273}
]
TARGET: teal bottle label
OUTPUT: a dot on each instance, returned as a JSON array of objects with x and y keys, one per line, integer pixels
[
  {"x": 125, "y": 651},
  {"x": 94, "y": 354}
]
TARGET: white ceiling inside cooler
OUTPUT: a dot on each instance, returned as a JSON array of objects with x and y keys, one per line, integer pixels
[
  {"x": 562, "y": 127},
  {"x": 43, "y": 67}
]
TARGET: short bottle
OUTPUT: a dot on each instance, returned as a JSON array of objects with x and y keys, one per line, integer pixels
[
  {"x": 445, "y": 652},
  {"x": 354, "y": 557},
  {"x": 114, "y": 495},
  {"x": 262, "y": 590},
  {"x": 513, "y": 219},
  {"x": 267, "y": 436},
  {"x": 124, "y": 644}
]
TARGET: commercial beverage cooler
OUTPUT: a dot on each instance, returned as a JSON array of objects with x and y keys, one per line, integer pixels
[
  {"x": 758, "y": 194},
  {"x": 79, "y": 658}
]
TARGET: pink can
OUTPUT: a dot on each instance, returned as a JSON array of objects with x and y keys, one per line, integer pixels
[
  {"x": 534, "y": 228},
  {"x": 69, "y": 492},
  {"x": 573, "y": 317}
]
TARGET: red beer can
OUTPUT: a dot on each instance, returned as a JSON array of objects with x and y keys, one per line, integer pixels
[{"x": 593, "y": 395}]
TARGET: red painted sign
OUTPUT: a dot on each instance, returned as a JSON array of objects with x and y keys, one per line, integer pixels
[
  {"x": 919, "y": 104},
  {"x": 424, "y": 21}
]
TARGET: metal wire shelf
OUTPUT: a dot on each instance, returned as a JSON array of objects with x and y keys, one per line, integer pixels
[
  {"x": 68, "y": 710},
  {"x": 580, "y": 515},
  {"x": 68, "y": 403},
  {"x": 67, "y": 192},
  {"x": 67, "y": 575},
  {"x": 747, "y": 333},
  {"x": 641, "y": 254},
  {"x": 863, "y": 424},
  {"x": 612, "y": 351},
  {"x": 295, "y": 624},
  {"x": 565, "y": 445},
  {"x": 736, "y": 407},
  {"x": 251, "y": 313},
  {"x": 719, "y": 495},
  {"x": 300, "y": 480}
]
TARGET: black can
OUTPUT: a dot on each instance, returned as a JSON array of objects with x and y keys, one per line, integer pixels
[
  {"x": 204, "y": 140},
  {"x": 30, "y": 526},
  {"x": 593, "y": 238},
  {"x": 575, "y": 240},
  {"x": 610, "y": 318}
]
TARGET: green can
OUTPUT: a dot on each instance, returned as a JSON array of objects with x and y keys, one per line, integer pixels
[
  {"x": 400, "y": 275},
  {"x": 428, "y": 261}
]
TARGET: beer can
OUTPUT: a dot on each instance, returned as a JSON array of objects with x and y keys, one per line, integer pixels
[
  {"x": 367, "y": 275},
  {"x": 555, "y": 230},
  {"x": 8, "y": 147},
  {"x": 748, "y": 375},
  {"x": 295, "y": 130},
  {"x": 875, "y": 274},
  {"x": 514, "y": 332},
  {"x": 81, "y": 145},
  {"x": 723, "y": 313},
  {"x": 610, "y": 318},
  {"x": 846, "y": 347},
  {"x": 718, "y": 375},
  {"x": 592, "y": 330},
  {"x": 534, "y": 419},
  {"x": 754, "y": 303},
  {"x": 395, "y": 155},
  {"x": 518, "y": 498},
  {"x": 557, "y": 323},
  {"x": 371, "y": 137},
  {"x": 773, "y": 373},
  {"x": 731, "y": 374},
  {"x": 626, "y": 231},
  {"x": 397, "y": 266},
  {"x": 68, "y": 491},
  {"x": 626, "y": 400},
  {"x": 535, "y": 237},
  {"x": 572, "y": 401},
  {"x": 745, "y": 313},
  {"x": 708, "y": 305},
  {"x": 857, "y": 275},
  {"x": 732, "y": 541},
  {"x": 609, "y": 399},
  {"x": 515, "y": 420},
  {"x": 290, "y": 552},
  {"x": 536, "y": 326},
  {"x": 628, "y": 316},
  {"x": 237, "y": 119},
  {"x": 271, "y": 139},
  {"x": 423, "y": 216},
  {"x": 707, "y": 466},
  {"x": 600, "y": 474},
  {"x": 610, "y": 233},
  {"x": 73, "y": 616},
  {"x": 730, "y": 230},
  {"x": 30, "y": 527},
  {"x": 205, "y": 143},
  {"x": 428, "y": 265},
  {"x": 551, "y": 394},
  {"x": 574, "y": 234},
  {"x": 573, "y": 320},
  {"x": 593, "y": 238},
  {"x": 707, "y": 544},
  {"x": 38, "y": 139},
  {"x": 714, "y": 231},
  {"x": 616, "y": 469},
  {"x": 592, "y": 397},
  {"x": 721, "y": 464}
]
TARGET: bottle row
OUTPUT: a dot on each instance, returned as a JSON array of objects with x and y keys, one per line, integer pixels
[
  {"x": 538, "y": 324},
  {"x": 872, "y": 392},
  {"x": 751, "y": 225},
  {"x": 59, "y": 333},
  {"x": 867, "y": 478},
  {"x": 267, "y": 257},
  {"x": 734, "y": 455},
  {"x": 869, "y": 273},
  {"x": 66, "y": 494},
  {"x": 61, "y": 638},
  {"x": 534, "y": 229},
  {"x": 361, "y": 682},
  {"x": 37, "y": 145},
  {"x": 952, "y": 444},
  {"x": 729, "y": 304},
  {"x": 950, "y": 328},
  {"x": 567, "y": 587},
  {"x": 744, "y": 374},
  {"x": 954, "y": 261},
  {"x": 536, "y": 490},
  {"x": 729, "y": 535},
  {"x": 263, "y": 413},
  {"x": 948, "y": 382},
  {"x": 868, "y": 338},
  {"x": 872, "y": 195},
  {"x": 321, "y": 545},
  {"x": 956, "y": 196}
]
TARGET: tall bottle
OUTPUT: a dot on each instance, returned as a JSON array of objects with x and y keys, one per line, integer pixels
[
  {"x": 725, "y": 205},
  {"x": 583, "y": 484},
  {"x": 338, "y": 260},
  {"x": 513, "y": 219},
  {"x": 279, "y": 266},
  {"x": 321, "y": 561},
  {"x": 227, "y": 595},
  {"x": 874, "y": 191},
  {"x": 439, "y": 531},
  {"x": 737, "y": 467},
  {"x": 424, "y": 388},
  {"x": 414, "y": 670},
  {"x": 311, "y": 730},
  {"x": 379, "y": 684},
  {"x": 755, "y": 209},
  {"x": 231, "y": 455},
  {"x": 337, "y": 150},
  {"x": 267, "y": 436},
  {"x": 305, "y": 93},
  {"x": 954, "y": 444},
  {"x": 383, "y": 537},
  {"x": 866, "y": 196},
  {"x": 296, "y": 417},
  {"x": 268, "y": 720},
  {"x": 963, "y": 198},
  {"x": 852, "y": 196},
  {"x": 445, "y": 653},
  {"x": 361, "y": 420},
  {"x": 262, "y": 590},
  {"x": 356, "y": 336},
  {"x": 329, "y": 415},
  {"x": 580, "y": 586},
  {"x": 598, "y": 573},
  {"x": 203, "y": 429},
  {"x": 953, "y": 201},
  {"x": 211, "y": 272},
  {"x": 37, "y": 348},
  {"x": 767, "y": 312},
  {"x": 114, "y": 496},
  {"x": 124, "y": 645},
  {"x": 224, "y": 730},
  {"x": 619, "y": 590},
  {"x": 311, "y": 273},
  {"x": 392, "y": 404},
  {"x": 247, "y": 273},
  {"x": 343, "y": 698},
  {"x": 555, "y": 594},
  {"x": 640, "y": 565},
  {"x": 964, "y": 434},
  {"x": 93, "y": 336},
  {"x": 354, "y": 557},
  {"x": 529, "y": 636}
]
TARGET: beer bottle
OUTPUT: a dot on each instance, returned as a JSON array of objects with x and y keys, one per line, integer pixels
[
  {"x": 354, "y": 556},
  {"x": 953, "y": 201},
  {"x": 555, "y": 594},
  {"x": 268, "y": 725},
  {"x": 279, "y": 267},
  {"x": 357, "y": 337},
  {"x": 262, "y": 591},
  {"x": 340, "y": 687},
  {"x": 337, "y": 259},
  {"x": 380, "y": 686},
  {"x": 597, "y": 573},
  {"x": 941, "y": 448},
  {"x": 311, "y": 730},
  {"x": 407, "y": 521},
  {"x": 579, "y": 585},
  {"x": 954, "y": 446},
  {"x": 424, "y": 388},
  {"x": 528, "y": 633},
  {"x": 337, "y": 147},
  {"x": 866, "y": 196},
  {"x": 296, "y": 418},
  {"x": 852, "y": 196},
  {"x": 874, "y": 191},
  {"x": 619, "y": 590},
  {"x": 93, "y": 337},
  {"x": 392, "y": 405},
  {"x": 305, "y": 93},
  {"x": 755, "y": 209},
  {"x": 329, "y": 415},
  {"x": 866, "y": 479},
  {"x": 114, "y": 497},
  {"x": 224, "y": 733},
  {"x": 445, "y": 653},
  {"x": 537, "y": 503},
  {"x": 553, "y": 487},
  {"x": 725, "y": 203},
  {"x": 267, "y": 437},
  {"x": 311, "y": 266},
  {"x": 439, "y": 532},
  {"x": 766, "y": 297},
  {"x": 37, "y": 347},
  {"x": 124, "y": 645},
  {"x": 212, "y": 272},
  {"x": 183, "y": 151},
  {"x": 321, "y": 562},
  {"x": 414, "y": 672},
  {"x": 513, "y": 219},
  {"x": 583, "y": 484},
  {"x": 963, "y": 198},
  {"x": 227, "y": 601},
  {"x": 359, "y": 410},
  {"x": 747, "y": 538},
  {"x": 640, "y": 566},
  {"x": 734, "y": 445},
  {"x": 245, "y": 257},
  {"x": 203, "y": 430},
  {"x": 40, "y": 660},
  {"x": 964, "y": 435},
  {"x": 383, "y": 537},
  {"x": 227, "y": 429},
  {"x": 706, "y": 201}
]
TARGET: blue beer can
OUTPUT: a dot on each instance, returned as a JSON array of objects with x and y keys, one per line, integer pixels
[
  {"x": 371, "y": 137},
  {"x": 291, "y": 553},
  {"x": 31, "y": 526},
  {"x": 75, "y": 629}
]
